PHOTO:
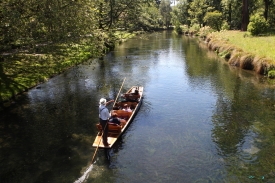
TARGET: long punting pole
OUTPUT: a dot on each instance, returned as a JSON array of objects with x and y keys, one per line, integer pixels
[{"x": 105, "y": 125}]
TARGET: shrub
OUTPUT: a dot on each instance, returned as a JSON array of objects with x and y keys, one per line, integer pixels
[
  {"x": 184, "y": 29},
  {"x": 214, "y": 20},
  {"x": 178, "y": 29},
  {"x": 271, "y": 74},
  {"x": 225, "y": 26},
  {"x": 194, "y": 28},
  {"x": 257, "y": 25},
  {"x": 204, "y": 31}
]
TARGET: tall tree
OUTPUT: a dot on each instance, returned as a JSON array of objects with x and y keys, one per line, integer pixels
[
  {"x": 197, "y": 11},
  {"x": 180, "y": 13},
  {"x": 30, "y": 22},
  {"x": 165, "y": 11},
  {"x": 245, "y": 15},
  {"x": 267, "y": 3},
  {"x": 150, "y": 18}
]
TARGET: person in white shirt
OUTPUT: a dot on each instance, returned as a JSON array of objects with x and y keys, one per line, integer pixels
[{"x": 104, "y": 115}]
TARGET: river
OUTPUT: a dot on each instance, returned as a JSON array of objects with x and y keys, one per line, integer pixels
[{"x": 201, "y": 120}]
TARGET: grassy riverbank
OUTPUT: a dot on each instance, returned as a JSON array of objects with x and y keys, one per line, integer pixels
[
  {"x": 243, "y": 50},
  {"x": 23, "y": 69}
]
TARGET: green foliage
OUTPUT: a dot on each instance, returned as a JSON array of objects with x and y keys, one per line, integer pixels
[
  {"x": 150, "y": 18},
  {"x": 185, "y": 28},
  {"x": 178, "y": 29},
  {"x": 214, "y": 20},
  {"x": 38, "y": 22},
  {"x": 225, "y": 26},
  {"x": 271, "y": 74},
  {"x": 180, "y": 13},
  {"x": 204, "y": 31},
  {"x": 194, "y": 28},
  {"x": 258, "y": 25},
  {"x": 27, "y": 23},
  {"x": 197, "y": 11},
  {"x": 165, "y": 11}
]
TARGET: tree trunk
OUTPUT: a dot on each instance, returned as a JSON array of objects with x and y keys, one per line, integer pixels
[
  {"x": 245, "y": 15},
  {"x": 230, "y": 15},
  {"x": 266, "y": 7}
]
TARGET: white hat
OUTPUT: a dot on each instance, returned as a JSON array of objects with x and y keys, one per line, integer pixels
[{"x": 102, "y": 101}]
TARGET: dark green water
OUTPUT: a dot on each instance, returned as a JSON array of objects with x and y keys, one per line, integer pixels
[{"x": 201, "y": 120}]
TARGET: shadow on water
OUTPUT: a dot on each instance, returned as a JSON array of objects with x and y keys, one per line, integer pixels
[
  {"x": 26, "y": 151},
  {"x": 102, "y": 156}
]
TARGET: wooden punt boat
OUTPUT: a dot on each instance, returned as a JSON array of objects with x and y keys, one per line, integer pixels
[{"x": 133, "y": 98}]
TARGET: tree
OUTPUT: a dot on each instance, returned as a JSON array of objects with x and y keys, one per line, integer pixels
[
  {"x": 150, "y": 18},
  {"x": 245, "y": 15},
  {"x": 267, "y": 3},
  {"x": 165, "y": 10},
  {"x": 197, "y": 11},
  {"x": 180, "y": 13},
  {"x": 227, "y": 11},
  {"x": 158, "y": 2},
  {"x": 31, "y": 22}
]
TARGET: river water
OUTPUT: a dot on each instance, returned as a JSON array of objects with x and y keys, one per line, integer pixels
[{"x": 201, "y": 120}]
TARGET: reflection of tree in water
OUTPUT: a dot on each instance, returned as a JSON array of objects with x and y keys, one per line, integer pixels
[
  {"x": 242, "y": 132},
  {"x": 230, "y": 128},
  {"x": 229, "y": 125}
]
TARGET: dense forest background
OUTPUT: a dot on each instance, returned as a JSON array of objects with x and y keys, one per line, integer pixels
[{"x": 30, "y": 23}]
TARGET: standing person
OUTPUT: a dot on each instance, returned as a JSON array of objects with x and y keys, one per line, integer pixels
[{"x": 104, "y": 115}]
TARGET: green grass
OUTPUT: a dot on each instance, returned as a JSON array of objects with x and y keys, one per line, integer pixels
[{"x": 263, "y": 46}]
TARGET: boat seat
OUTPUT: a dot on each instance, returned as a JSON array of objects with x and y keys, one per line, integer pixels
[
  {"x": 113, "y": 128},
  {"x": 122, "y": 114}
]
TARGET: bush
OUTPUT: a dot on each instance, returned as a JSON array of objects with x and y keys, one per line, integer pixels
[
  {"x": 271, "y": 74},
  {"x": 178, "y": 29},
  {"x": 185, "y": 29},
  {"x": 225, "y": 26},
  {"x": 214, "y": 20},
  {"x": 194, "y": 28},
  {"x": 204, "y": 31},
  {"x": 257, "y": 25}
]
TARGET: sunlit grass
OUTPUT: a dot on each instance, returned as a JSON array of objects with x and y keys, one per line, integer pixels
[{"x": 263, "y": 46}]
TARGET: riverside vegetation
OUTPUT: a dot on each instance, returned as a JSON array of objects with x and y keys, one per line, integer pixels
[
  {"x": 245, "y": 51},
  {"x": 23, "y": 70}
]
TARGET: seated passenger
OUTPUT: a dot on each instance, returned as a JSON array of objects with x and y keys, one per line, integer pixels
[
  {"x": 116, "y": 120},
  {"x": 126, "y": 108},
  {"x": 137, "y": 93},
  {"x": 131, "y": 97}
]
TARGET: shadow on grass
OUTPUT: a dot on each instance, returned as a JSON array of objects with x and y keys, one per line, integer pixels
[
  {"x": 21, "y": 71},
  {"x": 8, "y": 86}
]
